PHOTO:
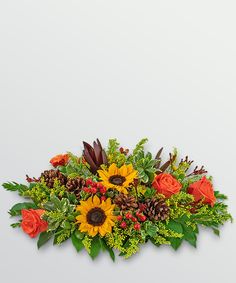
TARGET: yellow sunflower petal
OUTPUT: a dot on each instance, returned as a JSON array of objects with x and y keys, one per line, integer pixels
[
  {"x": 130, "y": 168},
  {"x": 108, "y": 202},
  {"x": 123, "y": 170},
  {"x": 103, "y": 176},
  {"x": 89, "y": 202},
  {"x": 102, "y": 228},
  {"x": 104, "y": 172},
  {"x": 113, "y": 170},
  {"x": 96, "y": 201},
  {"x": 81, "y": 218}
]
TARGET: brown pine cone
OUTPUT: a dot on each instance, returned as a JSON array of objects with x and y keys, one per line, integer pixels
[
  {"x": 156, "y": 209},
  {"x": 74, "y": 185},
  {"x": 49, "y": 176},
  {"x": 125, "y": 202}
]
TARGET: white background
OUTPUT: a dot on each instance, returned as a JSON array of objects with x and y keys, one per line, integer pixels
[{"x": 76, "y": 70}]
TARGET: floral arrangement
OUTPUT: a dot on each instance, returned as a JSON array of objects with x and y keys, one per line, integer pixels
[{"x": 111, "y": 199}]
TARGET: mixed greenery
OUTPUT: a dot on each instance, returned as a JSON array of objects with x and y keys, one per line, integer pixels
[{"x": 106, "y": 200}]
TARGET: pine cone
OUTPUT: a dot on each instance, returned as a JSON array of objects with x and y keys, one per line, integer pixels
[
  {"x": 156, "y": 209},
  {"x": 50, "y": 176},
  {"x": 74, "y": 185},
  {"x": 125, "y": 202}
]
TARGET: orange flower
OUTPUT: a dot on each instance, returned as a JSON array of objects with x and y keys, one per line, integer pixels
[
  {"x": 32, "y": 223},
  {"x": 60, "y": 159},
  {"x": 166, "y": 184},
  {"x": 203, "y": 190}
]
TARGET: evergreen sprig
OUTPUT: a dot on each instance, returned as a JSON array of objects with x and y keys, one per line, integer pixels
[{"x": 113, "y": 208}]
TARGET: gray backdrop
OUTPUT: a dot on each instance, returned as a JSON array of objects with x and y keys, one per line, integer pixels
[{"x": 76, "y": 70}]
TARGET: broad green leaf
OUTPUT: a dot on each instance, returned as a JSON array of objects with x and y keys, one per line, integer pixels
[
  {"x": 176, "y": 242},
  {"x": 16, "y": 209},
  {"x": 56, "y": 201},
  {"x": 175, "y": 226},
  {"x": 95, "y": 247},
  {"x": 151, "y": 229},
  {"x": 189, "y": 235},
  {"x": 66, "y": 225},
  {"x": 107, "y": 248},
  {"x": 78, "y": 244},
  {"x": 44, "y": 237}
]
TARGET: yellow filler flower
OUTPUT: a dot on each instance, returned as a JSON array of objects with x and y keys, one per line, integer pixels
[
  {"x": 96, "y": 216},
  {"x": 118, "y": 178}
]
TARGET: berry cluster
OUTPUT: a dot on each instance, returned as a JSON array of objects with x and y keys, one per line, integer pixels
[
  {"x": 130, "y": 218},
  {"x": 94, "y": 188}
]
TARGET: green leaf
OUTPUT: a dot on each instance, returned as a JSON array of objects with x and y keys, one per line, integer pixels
[
  {"x": 149, "y": 193},
  {"x": 49, "y": 206},
  {"x": 189, "y": 235},
  {"x": 175, "y": 226},
  {"x": 218, "y": 195},
  {"x": 16, "y": 225},
  {"x": 56, "y": 201},
  {"x": 16, "y": 209},
  {"x": 216, "y": 231},
  {"x": 77, "y": 242},
  {"x": 176, "y": 242},
  {"x": 44, "y": 237},
  {"x": 13, "y": 186},
  {"x": 151, "y": 229},
  {"x": 107, "y": 248},
  {"x": 66, "y": 225},
  {"x": 95, "y": 247}
]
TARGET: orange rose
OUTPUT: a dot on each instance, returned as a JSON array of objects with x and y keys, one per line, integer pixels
[
  {"x": 166, "y": 184},
  {"x": 32, "y": 223},
  {"x": 203, "y": 190},
  {"x": 60, "y": 159}
]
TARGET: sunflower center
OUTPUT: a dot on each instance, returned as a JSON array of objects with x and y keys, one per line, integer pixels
[
  {"x": 117, "y": 180},
  {"x": 96, "y": 216}
]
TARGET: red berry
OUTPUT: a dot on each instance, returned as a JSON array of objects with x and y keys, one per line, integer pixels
[
  {"x": 137, "y": 226},
  {"x": 134, "y": 219},
  {"x": 99, "y": 185},
  {"x": 102, "y": 190},
  {"x": 87, "y": 190},
  {"x": 103, "y": 198},
  {"x": 142, "y": 218},
  {"x": 89, "y": 182},
  {"x": 123, "y": 224},
  {"x": 93, "y": 190},
  {"x": 137, "y": 213},
  {"x": 119, "y": 217},
  {"x": 128, "y": 215}
]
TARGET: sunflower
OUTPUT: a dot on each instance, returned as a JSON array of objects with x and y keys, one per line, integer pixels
[
  {"x": 118, "y": 178},
  {"x": 96, "y": 216}
]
